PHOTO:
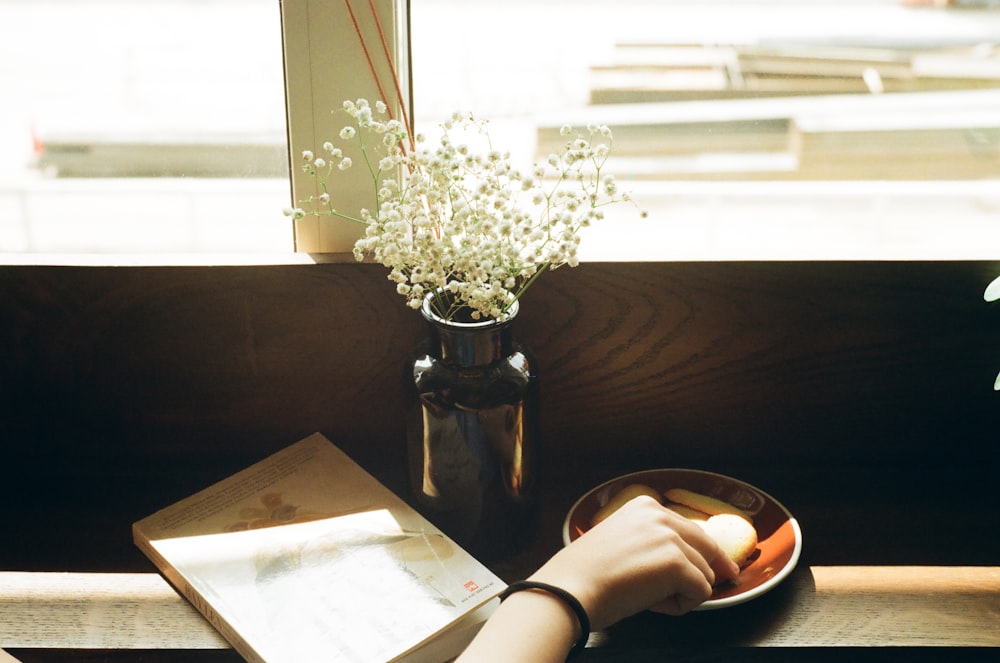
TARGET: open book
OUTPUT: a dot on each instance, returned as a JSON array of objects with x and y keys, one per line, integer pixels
[{"x": 305, "y": 556}]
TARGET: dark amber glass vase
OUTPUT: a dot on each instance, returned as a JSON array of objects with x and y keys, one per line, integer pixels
[{"x": 473, "y": 436}]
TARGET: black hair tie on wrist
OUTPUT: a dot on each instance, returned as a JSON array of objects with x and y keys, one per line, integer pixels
[{"x": 569, "y": 599}]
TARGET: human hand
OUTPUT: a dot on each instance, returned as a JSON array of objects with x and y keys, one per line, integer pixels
[{"x": 642, "y": 557}]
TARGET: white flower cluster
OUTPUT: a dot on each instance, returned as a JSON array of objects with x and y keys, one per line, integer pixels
[{"x": 459, "y": 219}]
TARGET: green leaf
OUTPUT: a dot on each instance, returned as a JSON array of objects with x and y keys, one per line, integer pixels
[
  {"x": 996, "y": 385},
  {"x": 992, "y": 290}
]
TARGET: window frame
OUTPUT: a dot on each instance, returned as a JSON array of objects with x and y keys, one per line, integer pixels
[{"x": 324, "y": 65}]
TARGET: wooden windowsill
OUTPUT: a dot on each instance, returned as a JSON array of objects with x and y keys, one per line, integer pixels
[{"x": 820, "y": 606}]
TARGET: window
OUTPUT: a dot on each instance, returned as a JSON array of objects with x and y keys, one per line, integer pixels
[
  {"x": 753, "y": 128},
  {"x": 137, "y": 127},
  {"x": 749, "y": 128}
]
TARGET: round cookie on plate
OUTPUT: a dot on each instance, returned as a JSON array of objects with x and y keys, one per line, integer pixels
[{"x": 736, "y": 537}]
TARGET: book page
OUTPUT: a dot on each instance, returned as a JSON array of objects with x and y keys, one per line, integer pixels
[
  {"x": 305, "y": 552},
  {"x": 356, "y": 587}
]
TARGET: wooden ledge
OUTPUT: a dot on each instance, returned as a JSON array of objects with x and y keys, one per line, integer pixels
[
  {"x": 99, "y": 611},
  {"x": 899, "y": 606},
  {"x": 820, "y": 606}
]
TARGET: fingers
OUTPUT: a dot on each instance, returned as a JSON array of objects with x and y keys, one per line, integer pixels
[
  {"x": 643, "y": 556},
  {"x": 725, "y": 568},
  {"x": 706, "y": 565},
  {"x": 697, "y": 554},
  {"x": 714, "y": 563},
  {"x": 691, "y": 588}
]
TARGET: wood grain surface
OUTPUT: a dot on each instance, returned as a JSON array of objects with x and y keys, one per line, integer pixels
[
  {"x": 829, "y": 607},
  {"x": 674, "y": 360},
  {"x": 857, "y": 393}
]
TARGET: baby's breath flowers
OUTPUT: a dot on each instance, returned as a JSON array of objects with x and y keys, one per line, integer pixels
[{"x": 459, "y": 220}]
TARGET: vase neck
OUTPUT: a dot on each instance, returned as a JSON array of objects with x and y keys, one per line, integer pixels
[
  {"x": 459, "y": 346},
  {"x": 469, "y": 344}
]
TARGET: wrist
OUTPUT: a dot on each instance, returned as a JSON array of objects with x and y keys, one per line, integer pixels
[
  {"x": 557, "y": 598},
  {"x": 580, "y": 584}
]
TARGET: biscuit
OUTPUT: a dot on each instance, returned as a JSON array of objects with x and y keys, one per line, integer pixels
[
  {"x": 627, "y": 493},
  {"x": 736, "y": 537},
  {"x": 704, "y": 503},
  {"x": 687, "y": 512}
]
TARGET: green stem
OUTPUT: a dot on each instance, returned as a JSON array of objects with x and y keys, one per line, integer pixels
[{"x": 527, "y": 284}]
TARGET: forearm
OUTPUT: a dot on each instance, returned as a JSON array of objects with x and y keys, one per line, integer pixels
[
  {"x": 643, "y": 557},
  {"x": 529, "y": 626}
]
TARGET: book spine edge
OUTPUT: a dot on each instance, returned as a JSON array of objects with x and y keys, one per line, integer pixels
[{"x": 194, "y": 597}]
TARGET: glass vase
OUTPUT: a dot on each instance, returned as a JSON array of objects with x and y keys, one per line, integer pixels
[{"x": 473, "y": 435}]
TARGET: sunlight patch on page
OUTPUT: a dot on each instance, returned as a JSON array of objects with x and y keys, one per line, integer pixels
[{"x": 332, "y": 572}]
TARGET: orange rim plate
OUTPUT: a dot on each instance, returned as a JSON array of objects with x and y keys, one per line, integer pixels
[{"x": 779, "y": 537}]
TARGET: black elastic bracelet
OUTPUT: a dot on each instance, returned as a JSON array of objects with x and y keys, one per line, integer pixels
[{"x": 571, "y": 601}]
